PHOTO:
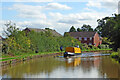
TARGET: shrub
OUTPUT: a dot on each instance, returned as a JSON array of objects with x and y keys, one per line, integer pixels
[
  {"x": 36, "y": 41},
  {"x": 119, "y": 52},
  {"x": 103, "y": 46}
]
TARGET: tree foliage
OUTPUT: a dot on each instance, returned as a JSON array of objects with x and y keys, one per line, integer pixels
[
  {"x": 83, "y": 28},
  {"x": 72, "y": 29},
  {"x": 20, "y": 43},
  {"x": 86, "y": 28},
  {"x": 79, "y": 30},
  {"x": 110, "y": 27},
  {"x": 11, "y": 29}
]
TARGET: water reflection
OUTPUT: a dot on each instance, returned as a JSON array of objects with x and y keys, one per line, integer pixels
[
  {"x": 43, "y": 65},
  {"x": 73, "y": 62},
  {"x": 76, "y": 67},
  {"x": 109, "y": 68}
]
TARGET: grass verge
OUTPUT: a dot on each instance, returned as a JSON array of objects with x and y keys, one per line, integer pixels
[
  {"x": 98, "y": 50},
  {"x": 6, "y": 58}
]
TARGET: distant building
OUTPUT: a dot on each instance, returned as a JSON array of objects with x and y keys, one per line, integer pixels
[
  {"x": 0, "y": 37},
  {"x": 90, "y": 38},
  {"x": 54, "y": 33}
]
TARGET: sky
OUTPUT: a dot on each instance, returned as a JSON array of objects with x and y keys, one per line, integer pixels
[{"x": 59, "y": 15}]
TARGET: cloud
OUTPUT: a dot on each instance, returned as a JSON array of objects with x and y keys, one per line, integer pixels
[
  {"x": 29, "y": 11},
  {"x": 94, "y": 4},
  {"x": 57, "y": 6},
  {"x": 49, "y": 15},
  {"x": 109, "y": 4},
  {"x": 27, "y": 0},
  {"x": 36, "y": 24},
  {"x": 1, "y": 26},
  {"x": 77, "y": 18},
  {"x": 69, "y": 21},
  {"x": 37, "y": 12},
  {"x": 63, "y": 22}
]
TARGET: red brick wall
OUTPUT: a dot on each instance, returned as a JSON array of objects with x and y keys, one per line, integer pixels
[
  {"x": 86, "y": 41},
  {"x": 96, "y": 40}
]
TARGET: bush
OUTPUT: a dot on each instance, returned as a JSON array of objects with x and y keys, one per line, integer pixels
[
  {"x": 103, "y": 46},
  {"x": 32, "y": 41},
  {"x": 119, "y": 52},
  {"x": 114, "y": 55}
]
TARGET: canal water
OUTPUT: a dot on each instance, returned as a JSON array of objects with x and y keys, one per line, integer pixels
[{"x": 87, "y": 65}]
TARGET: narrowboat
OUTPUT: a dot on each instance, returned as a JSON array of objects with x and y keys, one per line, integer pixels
[{"x": 72, "y": 51}]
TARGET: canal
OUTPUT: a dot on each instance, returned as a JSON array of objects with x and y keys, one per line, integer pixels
[{"x": 87, "y": 65}]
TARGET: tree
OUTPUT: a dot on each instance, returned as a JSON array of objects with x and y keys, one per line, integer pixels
[
  {"x": 11, "y": 29},
  {"x": 66, "y": 34},
  {"x": 79, "y": 30},
  {"x": 72, "y": 29},
  {"x": 110, "y": 27},
  {"x": 86, "y": 28}
]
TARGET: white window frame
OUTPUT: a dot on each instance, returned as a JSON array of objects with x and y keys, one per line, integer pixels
[
  {"x": 90, "y": 38},
  {"x": 85, "y": 38},
  {"x": 80, "y": 38}
]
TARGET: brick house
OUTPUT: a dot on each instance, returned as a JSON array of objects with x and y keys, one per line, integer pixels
[{"x": 90, "y": 38}]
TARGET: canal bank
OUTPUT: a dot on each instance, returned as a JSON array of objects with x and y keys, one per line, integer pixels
[{"x": 13, "y": 60}]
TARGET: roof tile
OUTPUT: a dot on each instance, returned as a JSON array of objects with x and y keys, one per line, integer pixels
[{"x": 82, "y": 34}]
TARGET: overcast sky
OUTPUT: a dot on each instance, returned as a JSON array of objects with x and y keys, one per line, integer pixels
[{"x": 58, "y": 15}]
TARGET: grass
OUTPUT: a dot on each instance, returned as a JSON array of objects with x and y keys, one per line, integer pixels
[
  {"x": 24, "y": 55},
  {"x": 97, "y": 49}
]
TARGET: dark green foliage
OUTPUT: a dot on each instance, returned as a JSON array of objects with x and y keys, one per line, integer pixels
[
  {"x": 72, "y": 29},
  {"x": 83, "y": 28},
  {"x": 109, "y": 27},
  {"x": 66, "y": 34},
  {"x": 86, "y": 28},
  {"x": 79, "y": 30},
  {"x": 47, "y": 28}
]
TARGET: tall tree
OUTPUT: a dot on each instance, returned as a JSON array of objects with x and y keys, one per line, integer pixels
[
  {"x": 86, "y": 28},
  {"x": 110, "y": 27},
  {"x": 72, "y": 29},
  {"x": 79, "y": 30}
]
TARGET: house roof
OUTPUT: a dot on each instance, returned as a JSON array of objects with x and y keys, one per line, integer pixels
[
  {"x": 82, "y": 34},
  {"x": 43, "y": 30}
]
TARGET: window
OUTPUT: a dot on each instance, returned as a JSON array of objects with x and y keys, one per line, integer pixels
[
  {"x": 85, "y": 38},
  {"x": 90, "y": 43},
  {"x": 80, "y": 38},
  {"x": 90, "y": 38}
]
